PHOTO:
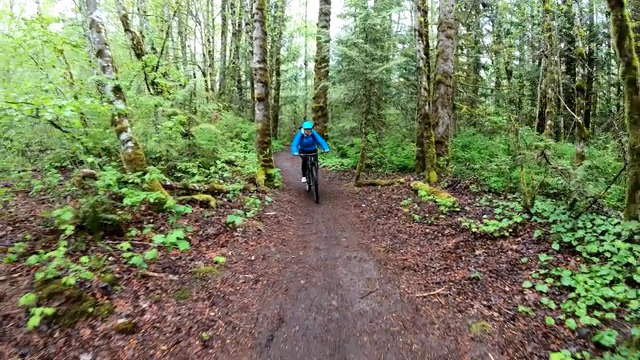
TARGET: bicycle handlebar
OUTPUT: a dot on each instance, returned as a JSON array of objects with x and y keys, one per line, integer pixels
[{"x": 311, "y": 154}]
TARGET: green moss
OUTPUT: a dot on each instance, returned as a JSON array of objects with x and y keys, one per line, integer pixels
[
  {"x": 425, "y": 191},
  {"x": 183, "y": 294},
  {"x": 209, "y": 200},
  {"x": 480, "y": 327},
  {"x": 205, "y": 271},
  {"x": 76, "y": 304},
  {"x": 125, "y": 326}
]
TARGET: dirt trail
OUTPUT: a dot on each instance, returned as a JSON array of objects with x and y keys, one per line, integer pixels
[{"x": 329, "y": 300}]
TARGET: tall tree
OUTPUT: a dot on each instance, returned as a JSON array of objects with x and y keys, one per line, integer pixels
[
  {"x": 625, "y": 48},
  {"x": 133, "y": 156},
  {"x": 266, "y": 174},
  {"x": 276, "y": 65},
  {"x": 425, "y": 138},
  {"x": 321, "y": 69},
  {"x": 224, "y": 31},
  {"x": 444, "y": 70}
]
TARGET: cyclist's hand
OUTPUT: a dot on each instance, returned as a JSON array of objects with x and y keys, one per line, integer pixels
[
  {"x": 326, "y": 151},
  {"x": 295, "y": 154}
]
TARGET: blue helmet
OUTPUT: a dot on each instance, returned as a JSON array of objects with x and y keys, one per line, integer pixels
[{"x": 307, "y": 125}]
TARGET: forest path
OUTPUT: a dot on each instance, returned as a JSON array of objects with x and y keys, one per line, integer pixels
[{"x": 330, "y": 299}]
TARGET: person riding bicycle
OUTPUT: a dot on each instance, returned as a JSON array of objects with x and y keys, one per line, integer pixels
[{"x": 306, "y": 142}]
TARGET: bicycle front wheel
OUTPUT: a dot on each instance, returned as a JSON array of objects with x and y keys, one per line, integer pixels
[{"x": 314, "y": 185}]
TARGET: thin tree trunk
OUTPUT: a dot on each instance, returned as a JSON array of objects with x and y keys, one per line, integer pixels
[
  {"x": 132, "y": 155},
  {"x": 306, "y": 59},
  {"x": 581, "y": 91},
  {"x": 249, "y": 28},
  {"x": 280, "y": 10},
  {"x": 224, "y": 31},
  {"x": 550, "y": 78}
]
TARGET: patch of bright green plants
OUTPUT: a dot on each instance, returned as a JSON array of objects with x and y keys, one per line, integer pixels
[
  {"x": 508, "y": 215},
  {"x": 603, "y": 287},
  {"x": 95, "y": 211},
  {"x": 252, "y": 206}
]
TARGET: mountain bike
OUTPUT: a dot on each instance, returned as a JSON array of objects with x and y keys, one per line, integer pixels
[{"x": 312, "y": 175}]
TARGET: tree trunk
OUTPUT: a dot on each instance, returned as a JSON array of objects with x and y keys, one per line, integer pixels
[
  {"x": 624, "y": 44},
  {"x": 425, "y": 138},
  {"x": 306, "y": 60},
  {"x": 550, "y": 78},
  {"x": 224, "y": 30},
  {"x": 444, "y": 70},
  {"x": 591, "y": 66},
  {"x": 132, "y": 155},
  {"x": 266, "y": 174},
  {"x": 146, "y": 32},
  {"x": 569, "y": 58},
  {"x": 236, "y": 40},
  {"x": 280, "y": 10},
  {"x": 580, "y": 90},
  {"x": 249, "y": 34},
  {"x": 319, "y": 106}
]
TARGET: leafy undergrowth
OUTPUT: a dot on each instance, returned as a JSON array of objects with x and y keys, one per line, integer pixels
[
  {"x": 536, "y": 284},
  {"x": 81, "y": 251}
]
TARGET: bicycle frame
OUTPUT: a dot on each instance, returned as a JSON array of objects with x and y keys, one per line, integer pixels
[{"x": 312, "y": 175}]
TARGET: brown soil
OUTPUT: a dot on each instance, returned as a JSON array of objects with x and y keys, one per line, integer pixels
[{"x": 353, "y": 277}]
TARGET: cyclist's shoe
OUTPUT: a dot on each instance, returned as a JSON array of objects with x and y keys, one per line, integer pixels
[{"x": 304, "y": 179}]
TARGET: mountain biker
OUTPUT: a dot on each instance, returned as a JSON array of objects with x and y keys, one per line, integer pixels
[{"x": 306, "y": 142}]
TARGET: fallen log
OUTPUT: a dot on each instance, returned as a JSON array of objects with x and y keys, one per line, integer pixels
[
  {"x": 212, "y": 188},
  {"x": 379, "y": 182}
]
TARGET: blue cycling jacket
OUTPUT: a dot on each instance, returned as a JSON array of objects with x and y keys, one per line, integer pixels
[{"x": 308, "y": 142}]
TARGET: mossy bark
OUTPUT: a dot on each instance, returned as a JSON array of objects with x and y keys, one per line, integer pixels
[
  {"x": 625, "y": 48},
  {"x": 569, "y": 59},
  {"x": 550, "y": 75},
  {"x": 249, "y": 35},
  {"x": 224, "y": 34},
  {"x": 444, "y": 71},
  {"x": 265, "y": 175},
  {"x": 581, "y": 92},
  {"x": 236, "y": 39},
  {"x": 133, "y": 157},
  {"x": 425, "y": 137},
  {"x": 276, "y": 52},
  {"x": 137, "y": 44},
  {"x": 319, "y": 106}
]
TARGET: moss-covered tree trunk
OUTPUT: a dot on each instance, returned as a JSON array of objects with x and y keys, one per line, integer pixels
[
  {"x": 276, "y": 63},
  {"x": 319, "y": 107},
  {"x": 146, "y": 33},
  {"x": 425, "y": 138},
  {"x": 443, "y": 82},
  {"x": 249, "y": 35},
  {"x": 591, "y": 65},
  {"x": 132, "y": 155},
  {"x": 210, "y": 46},
  {"x": 550, "y": 70},
  {"x": 266, "y": 166},
  {"x": 581, "y": 91},
  {"x": 224, "y": 33},
  {"x": 139, "y": 50},
  {"x": 236, "y": 39},
  {"x": 625, "y": 48},
  {"x": 569, "y": 60},
  {"x": 306, "y": 60}
]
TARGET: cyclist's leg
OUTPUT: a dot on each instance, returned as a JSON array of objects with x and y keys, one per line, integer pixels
[{"x": 304, "y": 167}]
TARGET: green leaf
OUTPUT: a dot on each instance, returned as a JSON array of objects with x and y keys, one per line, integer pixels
[
  {"x": 34, "y": 322},
  {"x": 28, "y": 299},
  {"x": 542, "y": 288},
  {"x": 220, "y": 260},
  {"x": 183, "y": 245},
  {"x": 151, "y": 254},
  {"x": 549, "y": 320},
  {"x": 571, "y": 324},
  {"x": 527, "y": 284},
  {"x": 555, "y": 246}
]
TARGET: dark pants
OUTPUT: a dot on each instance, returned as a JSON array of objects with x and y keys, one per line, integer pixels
[{"x": 305, "y": 160}]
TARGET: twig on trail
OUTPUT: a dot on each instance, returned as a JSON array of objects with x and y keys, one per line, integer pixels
[
  {"x": 153, "y": 274},
  {"x": 369, "y": 293},
  {"x": 431, "y": 293},
  {"x": 8, "y": 277},
  {"x": 491, "y": 356}
]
